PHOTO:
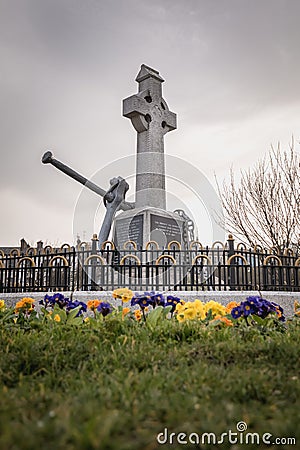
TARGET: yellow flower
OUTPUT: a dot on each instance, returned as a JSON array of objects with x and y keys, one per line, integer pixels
[
  {"x": 200, "y": 311},
  {"x": 138, "y": 315},
  {"x": 189, "y": 305},
  {"x": 180, "y": 317},
  {"x": 93, "y": 304},
  {"x": 215, "y": 307},
  {"x": 2, "y": 304},
  {"x": 190, "y": 310},
  {"x": 296, "y": 308},
  {"x": 86, "y": 319},
  {"x": 124, "y": 294},
  {"x": 179, "y": 308},
  {"x": 125, "y": 311},
  {"x": 190, "y": 313},
  {"x": 57, "y": 318},
  {"x": 198, "y": 304}
]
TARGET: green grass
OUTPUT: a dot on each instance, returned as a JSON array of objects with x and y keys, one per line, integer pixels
[{"x": 116, "y": 385}]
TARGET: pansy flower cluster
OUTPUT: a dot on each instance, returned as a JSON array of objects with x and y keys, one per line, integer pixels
[
  {"x": 259, "y": 307},
  {"x": 63, "y": 302},
  {"x": 154, "y": 299},
  {"x": 206, "y": 312},
  {"x": 25, "y": 306},
  {"x": 146, "y": 301}
]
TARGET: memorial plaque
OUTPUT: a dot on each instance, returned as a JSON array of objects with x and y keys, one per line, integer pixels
[
  {"x": 130, "y": 229},
  {"x": 168, "y": 226}
]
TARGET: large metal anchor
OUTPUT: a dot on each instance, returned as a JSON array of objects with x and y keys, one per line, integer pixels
[{"x": 114, "y": 198}]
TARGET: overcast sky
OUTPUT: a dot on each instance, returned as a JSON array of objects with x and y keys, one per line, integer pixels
[{"x": 232, "y": 76}]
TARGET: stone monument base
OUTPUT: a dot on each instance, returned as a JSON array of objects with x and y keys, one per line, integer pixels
[{"x": 142, "y": 225}]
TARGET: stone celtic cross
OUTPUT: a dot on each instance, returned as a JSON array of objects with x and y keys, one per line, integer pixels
[{"x": 152, "y": 119}]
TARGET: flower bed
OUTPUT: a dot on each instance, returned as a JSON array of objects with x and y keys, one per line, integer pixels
[
  {"x": 147, "y": 308},
  {"x": 94, "y": 376}
]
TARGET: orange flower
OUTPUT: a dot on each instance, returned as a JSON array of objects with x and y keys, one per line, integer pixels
[
  {"x": 296, "y": 308},
  {"x": 231, "y": 305},
  {"x": 26, "y": 304},
  {"x": 224, "y": 320},
  {"x": 93, "y": 304},
  {"x": 28, "y": 300},
  {"x": 19, "y": 305},
  {"x": 125, "y": 311},
  {"x": 138, "y": 315}
]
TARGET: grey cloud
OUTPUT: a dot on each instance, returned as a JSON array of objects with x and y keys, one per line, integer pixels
[{"x": 66, "y": 66}]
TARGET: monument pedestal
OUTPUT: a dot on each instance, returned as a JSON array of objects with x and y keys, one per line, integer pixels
[{"x": 146, "y": 224}]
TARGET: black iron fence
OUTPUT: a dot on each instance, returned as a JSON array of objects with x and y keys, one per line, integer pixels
[{"x": 220, "y": 267}]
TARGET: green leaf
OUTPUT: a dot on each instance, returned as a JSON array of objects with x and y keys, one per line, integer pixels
[
  {"x": 166, "y": 311},
  {"x": 71, "y": 317},
  {"x": 75, "y": 321},
  {"x": 209, "y": 316},
  {"x": 258, "y": 320},
  {"x": 61, "y": 312},
  {"x": 154, "y": 316}
]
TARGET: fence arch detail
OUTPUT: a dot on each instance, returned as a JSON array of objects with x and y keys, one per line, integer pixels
[
  {"x": 130, "y": 255},
  {"x": 220, "y": 243},
  {"x": 201, "y": 257},
  {"x": 236, "y": 255},
  {"x": 165, "y": 257},
  {"x": 48, "y": 247},
  {"x": 112, "y": 245},
  {"x": 89, "y": 258},
  {"x": 151, "y": 243},
  {"x": 267, "y": 259},
  {"x": 63, "y": 246},
  {"x": 26, "y": 258},
  {"x": 194, "y": 244},
  {"x": 31, "y": 250},
  {"x": 56, "y": 258},
  {"x": 174, "y": 243},
  {"x": 133, "y": 243}
]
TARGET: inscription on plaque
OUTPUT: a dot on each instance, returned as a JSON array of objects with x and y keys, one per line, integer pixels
[
  {"x": 130, "y": 229},
  {"x": 168, "y": 226}
]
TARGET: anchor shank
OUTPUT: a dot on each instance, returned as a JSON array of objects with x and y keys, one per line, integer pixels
[{"x": 48, "y": 159}]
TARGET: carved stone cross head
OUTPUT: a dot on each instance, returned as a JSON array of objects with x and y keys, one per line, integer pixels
[
  {"x": 147, "y": 109},
  {"x": 152, "y": 119}
]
